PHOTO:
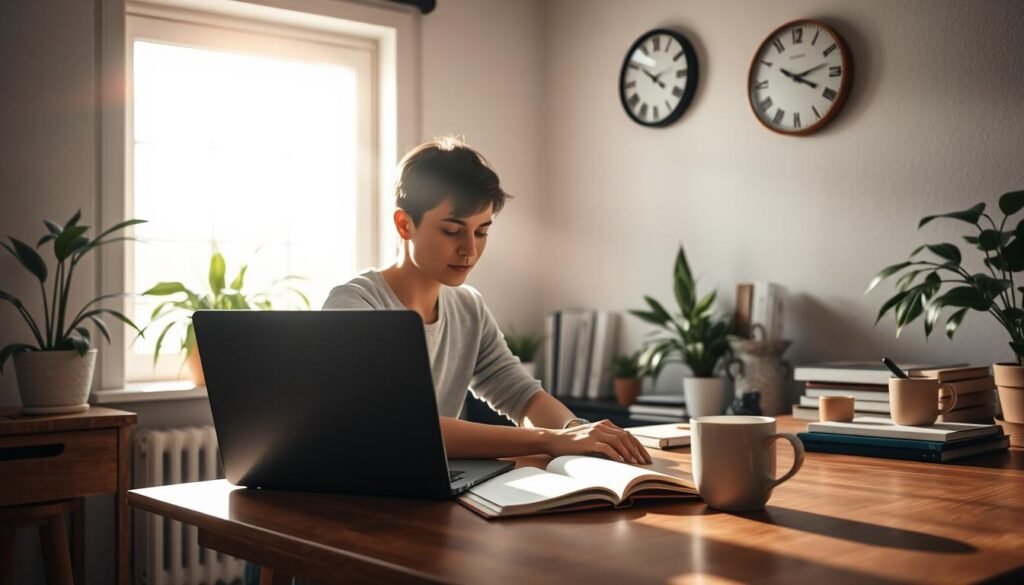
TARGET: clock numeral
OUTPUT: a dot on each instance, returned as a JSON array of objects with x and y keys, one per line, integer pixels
[
  {"x": 668, "y": 44},
  {"x": 762, "y": 84},
  {"x": 655, "y": 109},
  {"x": 630, "y": 84},
  {"x": 678, "y": 55},
  {"x": 668, "y": 106},
  {"x": 816, "y": 114},
  {"x": 815, "y": 39},
  {"x": 643, "y": 50},
  {"x": 829, "y": 94},
  {"x": 778, "y": 116},
  {"x": 829, "y": 50},
  {"x": 656, "y": 44},
  {"x": 633, "y": 66},
  {"x": 677, "y": 91},
  {"x": 798, "y": 35},
  {"x": 796, "y": 120},
  {"x": 643, "y": 112},
  {"x": 835, "y": 71},
  {"x": 778, "y": 44},
  {"x": 765, "y": 104},
  {"x": 634, "y": 100},
  {"x": 765, "y": 63},
  {"x": 681, "y": 73}
]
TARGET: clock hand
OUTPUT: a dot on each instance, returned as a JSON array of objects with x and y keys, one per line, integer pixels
[
  {"x": 810, "y": 70},
  {"x": 653, "y": 77},
  {"x": 798, "y": 79}
]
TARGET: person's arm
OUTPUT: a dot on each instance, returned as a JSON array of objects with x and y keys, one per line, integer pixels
[{"x": 468, "y": 440}]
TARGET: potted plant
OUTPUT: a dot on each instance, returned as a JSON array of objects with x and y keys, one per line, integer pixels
[
  {"x": 54, "y": 370},
  {"x": 627, "y": 377},
  {"x": 693, "y": 336},
  {"x": 177, "y": 313},
  {"x": 928, "y": 286},
  {"x": 524, "y": 346}
]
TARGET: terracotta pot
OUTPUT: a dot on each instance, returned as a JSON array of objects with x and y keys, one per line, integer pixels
[
  {"x": 626, "y": 390},
  {"x": 54, "y": 382},
  {"x": 195, "y": 368},
  {"x": 1013, "y": 430},
  {"x": 1010, "y": 380}
]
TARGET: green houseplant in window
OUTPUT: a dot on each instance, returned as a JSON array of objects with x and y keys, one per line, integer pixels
[
  {"x": 176, "y": 313},
  {"x": 692, "y": 336},
  {"x": 929, "y": 285},
  {"x": 524, "y": 346},
  {"x": 54, "y": 369}
]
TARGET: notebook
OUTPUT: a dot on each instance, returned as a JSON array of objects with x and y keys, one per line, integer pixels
[
  {"x": 857, "y": 372},
  {"x": 661, "y": 436},
  {"x": 867, "y": 426},
  {"x": 906, "y": 449},
  {"x": 572, "y": 482}
]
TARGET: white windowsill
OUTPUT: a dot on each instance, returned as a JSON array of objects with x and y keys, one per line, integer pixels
[{"x": 150, "y": 392}]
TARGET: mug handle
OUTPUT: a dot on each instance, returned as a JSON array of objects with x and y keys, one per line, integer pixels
[
  {"x": 952, "y": 394},
  {"x": 798, "y": 456},
  {"x": 729, "y": 365}
]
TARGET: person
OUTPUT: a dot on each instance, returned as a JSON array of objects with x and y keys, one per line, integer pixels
[{"x": 446, "y": 198}]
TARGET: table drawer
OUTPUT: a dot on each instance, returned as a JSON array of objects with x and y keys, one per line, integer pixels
[{"x": 53, "y": 466}]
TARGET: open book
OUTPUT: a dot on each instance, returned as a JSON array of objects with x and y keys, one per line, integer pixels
[{"x": 573, "y": 482}]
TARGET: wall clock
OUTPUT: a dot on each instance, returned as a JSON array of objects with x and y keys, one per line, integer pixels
[
  {"x": 658, "y": 78},
  {"x": 799, "y": 78}
]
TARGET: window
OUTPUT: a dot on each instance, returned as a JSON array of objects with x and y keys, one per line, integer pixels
[{"x": 260, "y": 144}]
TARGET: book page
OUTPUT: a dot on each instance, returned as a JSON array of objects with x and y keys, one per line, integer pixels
[
  {"x": 617, "y": 477},
  {"x": 525, "y": 487}
]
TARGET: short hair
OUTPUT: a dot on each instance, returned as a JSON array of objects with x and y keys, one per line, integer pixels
[{"x": 446, "y": 168}]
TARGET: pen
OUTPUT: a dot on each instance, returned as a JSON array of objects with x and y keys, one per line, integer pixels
[{"x": 894, "y": 368}]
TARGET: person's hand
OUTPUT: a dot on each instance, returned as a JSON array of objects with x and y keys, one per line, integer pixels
[{"x": 599, "y": 438}]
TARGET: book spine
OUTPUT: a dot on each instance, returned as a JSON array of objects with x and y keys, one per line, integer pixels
[
  {"x": 885, "y": 453},
  {"x": 584, "y": 350},
  {"x": 605, "y": 334},
  {"x": 569, "y": 332}
]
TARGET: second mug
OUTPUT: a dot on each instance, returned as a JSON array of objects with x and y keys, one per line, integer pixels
[{"x": 915, "y": 401}]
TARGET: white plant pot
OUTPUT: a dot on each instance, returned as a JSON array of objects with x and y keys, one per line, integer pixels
[
  {"x": 54, "y": 382},
  {"x": 706, "y": 396}
]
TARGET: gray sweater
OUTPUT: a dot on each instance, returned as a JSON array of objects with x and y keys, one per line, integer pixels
[{"x": 466, "y": 348}]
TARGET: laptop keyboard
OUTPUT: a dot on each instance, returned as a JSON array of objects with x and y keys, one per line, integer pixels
[{"x": 454, "y": 476}]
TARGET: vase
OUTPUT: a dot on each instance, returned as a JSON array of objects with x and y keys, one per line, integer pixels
[
  {"x": 759, "y": 367},
  {"x": 195, "y": 368},
  {"x": 54, "y": 382},
  {"x": 1010, "y": 381},
  {"x": 705, "y": 396},
  {"x": 626, "y": 390}
]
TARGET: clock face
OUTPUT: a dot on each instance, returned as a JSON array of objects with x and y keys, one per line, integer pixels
[
  {"x": 658, "y": 78},
  {"x": 799, "y": 78}
]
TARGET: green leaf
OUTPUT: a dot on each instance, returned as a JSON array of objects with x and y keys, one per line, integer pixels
[
  {"x": 237, "y": 282},
  {"x": 909, "y": 309},
  {"x": 889, "y": 304},
  {"x": 116, "y": 227},
  {"x": 1012, "y": 258},
  {"x": 101, "y": 326},
  {"x": 886, "y": 273},
  {"x": 658, "y": 310},
  {"x": 992, "y": 287},
  {"x": 971, "y": 240},
  {"x": 705, "y": 303},
  {"x": 29, "y": 258},
  {"x": 217, "y": 268},
  {"x": 166, "y": 288},
  {"x": 1014, "y": 315},
  {"x": 1018, "y": 349},
  {"x": 1011, "y": 202},
  {"x": 954, "y": 321},
  {"x": 63, "y": 247},
  {"x": 946, "y": 252},
  {"x": 11, "y": 349},
  {"x": 74, "y": 219},
  {"x": 647, "y": 316},
  {"x": 966, "y": 296},
  {"x": 53, "y": 227},
  {"x": 160, "y": 341},
  {"x": 991, "y": 240},
  {"x": 683, "y": 282},
  {"x": 45, "y": 239},
  {"x": 907, "y": 279},
  {"x": 971, "y": 215}
]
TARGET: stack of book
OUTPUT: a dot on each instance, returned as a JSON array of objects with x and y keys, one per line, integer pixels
[
  {"x": 658, "y": 408},
  {"x": 880, "y": 437},
  {"x": 581, "y": 344},
  {"x": 868, "y": 384}
]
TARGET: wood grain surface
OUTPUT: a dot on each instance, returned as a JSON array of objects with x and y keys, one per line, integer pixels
[{"x": 842, "y": 519}]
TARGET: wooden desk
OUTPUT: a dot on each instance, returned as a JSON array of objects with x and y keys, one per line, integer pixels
[
  {"x": 842, "y": 519},
  {"x": 71, "y": 456}
]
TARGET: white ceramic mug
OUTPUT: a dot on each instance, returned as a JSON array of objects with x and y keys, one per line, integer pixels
[{"x": 734, "y": 460}]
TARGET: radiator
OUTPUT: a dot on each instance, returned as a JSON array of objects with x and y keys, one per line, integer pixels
[{"x": 166, "y": 551}]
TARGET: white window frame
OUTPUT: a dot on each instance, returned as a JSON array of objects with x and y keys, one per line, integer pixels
[{"x": 389, "y": 35}]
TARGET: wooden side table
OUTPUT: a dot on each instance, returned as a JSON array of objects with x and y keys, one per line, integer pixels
[{"x": 69, "y": 457}]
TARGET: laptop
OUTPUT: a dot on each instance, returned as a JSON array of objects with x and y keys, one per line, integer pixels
[{"x": 329, "y": 401}]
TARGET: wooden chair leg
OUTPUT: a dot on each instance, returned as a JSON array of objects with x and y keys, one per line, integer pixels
[
  {"x": 56, "y": 558},
  {"x": 78, "y": 541},
  {"x": 270, "y": 577},
  {"x": 6, "y": 555}
]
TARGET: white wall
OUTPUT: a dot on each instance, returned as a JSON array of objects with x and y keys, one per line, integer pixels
[{"x": 934, "y": 123}]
